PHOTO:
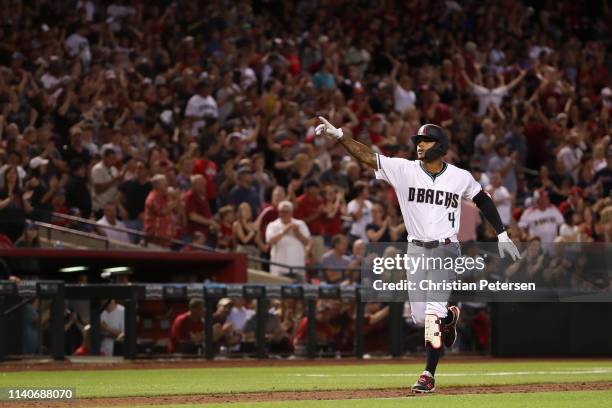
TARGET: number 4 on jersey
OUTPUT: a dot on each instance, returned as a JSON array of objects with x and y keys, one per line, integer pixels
[{"x": 451, "y": 218}]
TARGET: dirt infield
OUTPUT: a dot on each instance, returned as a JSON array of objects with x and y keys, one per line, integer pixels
[
  {"x": 307, "y": 395},
  {"x": 96, "y": 364}
]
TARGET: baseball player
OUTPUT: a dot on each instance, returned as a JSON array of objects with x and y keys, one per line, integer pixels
[{"x": 429, "y": 192}]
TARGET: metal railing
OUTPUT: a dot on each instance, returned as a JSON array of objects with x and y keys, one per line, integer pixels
[{"x": 297, "y": 273}]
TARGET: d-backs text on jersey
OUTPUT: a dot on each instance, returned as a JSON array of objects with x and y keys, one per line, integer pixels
[{"x": 434, "y": 197}]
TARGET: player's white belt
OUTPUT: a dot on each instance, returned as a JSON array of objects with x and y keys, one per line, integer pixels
[{"x": 430, "y": 244}]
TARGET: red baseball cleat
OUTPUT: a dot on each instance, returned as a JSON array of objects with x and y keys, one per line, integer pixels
[{"x": 425, "y": 384}]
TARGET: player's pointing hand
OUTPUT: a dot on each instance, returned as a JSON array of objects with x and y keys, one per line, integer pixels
[
  {"x": 506, "y": 246},
  {"x": 328, "y": 129}
]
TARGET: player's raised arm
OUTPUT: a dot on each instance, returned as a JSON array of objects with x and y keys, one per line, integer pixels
[{"x": 358, "y": 150}]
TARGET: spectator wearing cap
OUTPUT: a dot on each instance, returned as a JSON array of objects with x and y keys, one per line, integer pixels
[
  {"x": 109, "y": 219},
  {"x": 574, "y": 202},
  {"x": 14, "y": 205},
  {"x": 158, "y": 213},
  {"x": 569, "y": 156},
  {"x": 105, "y": 179},
  {"x": 542, "y": 220},
  {"x": 505, "y": 164},
  {"x": 43, "y": 190},
  {"x": 197, "y": 210},
  {"x": 334, "y": 174},
  {"x": 324, "y": 330},
  {"x": 58, "y": 202},
  {"x": 76, "y": 149},
  {"x": 244, "y": 192},
  {"x": 288, "y": 238},
  {"x": 30, "y": 237},
  {"x": 132, "y": 196},
  {"x": 187, "y": 331},
  {"x": 309, "y": 208},
  {"x": 201, "y": 106}
]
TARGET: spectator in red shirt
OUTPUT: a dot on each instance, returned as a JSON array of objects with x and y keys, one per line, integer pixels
[
  {"x": 435, "y": 111},
  {"x": 207, "y": 168},
  {"x": 269, "y": 210},
  {"x": 334, "y": 206},
  {"x": 85, "y": 347},
  {"x": 323, "y": 329},
  {"x": 309, "y": 208},
  {"x": 197, "y": 209},
  {"x": 159, "y": 208},
  {"x": 187, "y": 332},
  {"x": 225, "y": 234}
]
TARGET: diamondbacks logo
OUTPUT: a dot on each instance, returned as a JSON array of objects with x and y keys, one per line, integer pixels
[{"x": 434, "y": 197}]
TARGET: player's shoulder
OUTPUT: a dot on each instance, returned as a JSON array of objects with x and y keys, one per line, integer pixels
[
  {"x": 399, "y": 160},
  {"x": 458, "y": 171}
]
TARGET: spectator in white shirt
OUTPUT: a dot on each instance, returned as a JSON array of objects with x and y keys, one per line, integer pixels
[
  {"x": 484, "y": 144},
  {"x": 288, "y": 238},
  {"x": 201, "y": 106},
  {"x": 490, "y": 93},
  {"x": 105, "y": 178},
  {"x": 569, "y": 156},
  {"x": 501, "y": 197},
  {"x": 542, "y": 220},
  {"x": 403, "y": 95},
  {"x": 110, "y": 219},
  {"x": 112, "y": 322},
  {"x": 360, "y": 210},
  {"x": 239, "y": 314},
  {"x": 77, "y": 41}
]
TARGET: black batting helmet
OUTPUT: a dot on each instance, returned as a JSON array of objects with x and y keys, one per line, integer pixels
[{"x": 432, "y": 133}]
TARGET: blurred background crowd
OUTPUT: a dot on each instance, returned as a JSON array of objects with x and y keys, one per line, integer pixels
[{"x": 195, "y": 120}]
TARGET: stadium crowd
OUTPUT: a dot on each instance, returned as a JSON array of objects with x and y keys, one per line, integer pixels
[{"x": 195, "y": 120}]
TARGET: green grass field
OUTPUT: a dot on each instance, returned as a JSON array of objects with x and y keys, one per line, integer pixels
[{"x": 217, "y": 380}]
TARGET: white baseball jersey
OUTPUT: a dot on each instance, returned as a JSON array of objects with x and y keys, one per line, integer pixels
[
  {"x": 542, "y": 223},
  {"x": 430, "y": 205}
]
